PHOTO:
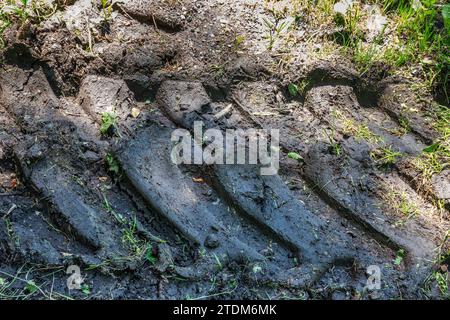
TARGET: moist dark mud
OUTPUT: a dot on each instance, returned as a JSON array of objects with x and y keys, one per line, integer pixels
[{"x": 140, "y": 227}]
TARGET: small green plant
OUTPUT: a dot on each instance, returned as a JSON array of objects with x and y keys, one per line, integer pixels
[
  {"x": 274, "y": 30},
  {"x": 109, "y": 124},
  {"x": 350, "y": 35},
  {"x": 13, "y": 237},
  {"x": 13, "y": 11},
  {"x": 31, "y": 287},
  {"x": 407, "y": 208},
  {"x": 441, "y": 116},
  {"x": 436, "y": 156},
  {"x": 150, "y": 256},
  {"x": 293, "y": 89},
  {"x": 303, "y": 85},
  {"x": 440, "y": 276},
  {"x": 364, "y": 57},
  {"x": 400, "y": 255},
  {"x": 119, "y": 217},
  {"x": 5, "y": 22},
  {"x": 130, "y": 239},
  {"x": 219, "y": 264},
  {"x": 217, "y": 70},
  {"x": 402, "y": 205},
  {"x": 298, "y": 88},
  {"x": 112, "y": 164},
  {"x": 443, "y": 256},
  {"x": 22, "y": 11},
  {"x": 442, "y": 282},
  {"x": 25, "y": 10},
  {"x": 86, "y": 289},
  {"x": 385, "y": 156},
  {"x": 107, "y": 8},
  {"x": 295, "y": 156},
  {"x": 360, "y": 131},
  {"x": 238, "y": 41},
  {"x": 139, "y": 249},
  {"x": 433, "y": 159},
  {"x": 202, "y": 253},
  {"x": 232, "y": 284},
  {"x": 336, "y": 147},
  {"x": 404, "y": 124}
]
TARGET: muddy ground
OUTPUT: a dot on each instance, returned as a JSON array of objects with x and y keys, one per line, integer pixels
[{"x": 109, "y": 199}]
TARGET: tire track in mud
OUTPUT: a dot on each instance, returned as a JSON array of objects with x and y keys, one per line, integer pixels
[
  {"x": 44, "y": 162},
  {"x": 395, "y": 99},
  {"x": 50, "y": 163},
  {"x": 409, "y": 144},
  {"x": 52, "y": 166},
  {"x": 342, "y": 208},
  {"x": 422, "y": 127},
  {"x": 248, "y": 231},
  {"x": 193, "y": 99},
  {"x": 197, "y": 111}
]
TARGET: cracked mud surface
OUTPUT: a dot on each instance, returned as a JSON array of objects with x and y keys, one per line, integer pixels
[{"x": 154, "y": 230}]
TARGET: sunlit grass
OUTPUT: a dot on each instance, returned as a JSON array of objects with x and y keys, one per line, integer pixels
[
  {"x": 415, "y": 36},
  {"x": 436, "y": 157}
]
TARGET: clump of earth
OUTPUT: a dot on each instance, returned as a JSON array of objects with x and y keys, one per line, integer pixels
[{"x": 88, "y": 104}]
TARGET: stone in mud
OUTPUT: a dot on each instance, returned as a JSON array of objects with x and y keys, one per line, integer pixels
[
  {"x": 441, "y": 185},
  {"x": 99, "y": 95},
  {"x": 164, "y": 259},
  {"x": 91, "y": 156},
  {"x": 183, "y": 102},
  {"x": 212, "y": 241}
]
